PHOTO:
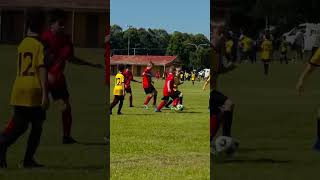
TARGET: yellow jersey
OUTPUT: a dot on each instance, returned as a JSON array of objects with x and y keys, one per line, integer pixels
[
  {"x": 247, "y": 44},
  {"x": 229, "y": 46},
  {"x": 266, "y": 47},
  {"x": 315, "y": 60},
  {"x": 119, "y": 85},
  {"x": 27, "y": 89},
  {"x": 193, "y": 76}
]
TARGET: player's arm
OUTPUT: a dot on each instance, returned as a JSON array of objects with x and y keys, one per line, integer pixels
[
  {"x": 305, "y": 74},
  {"x": 43, "y": 76},
  {"x": 133, "y": 80},
  {"x": 78, "y": 61},
  {"x": 169, "y": 86}
]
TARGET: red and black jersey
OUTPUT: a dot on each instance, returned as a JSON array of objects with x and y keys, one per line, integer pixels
[
  {"x": 168, "y": 86},
  {"x": 128, "y": 77},
  {"x": 60, "y": 50},
  {"x": 147, "y": 78}
]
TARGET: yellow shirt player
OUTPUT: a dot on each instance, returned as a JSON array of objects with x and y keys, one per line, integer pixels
[
  {"x": 27, "y": 90},
  {"x": 193, "y": 77},
  {"x": 29, "y": 96},
  {"x": 266, "y": 53},
  {"x": 314, "y": 63},
  {"x": 247, "y": 44},
  {"x": 118, "y": 90}
]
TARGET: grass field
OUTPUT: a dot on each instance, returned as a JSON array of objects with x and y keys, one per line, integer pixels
[
  {"x": 83, "y": 161},
  {"x": 167, "y": 145},
  {"x": 275, "y": 126}
]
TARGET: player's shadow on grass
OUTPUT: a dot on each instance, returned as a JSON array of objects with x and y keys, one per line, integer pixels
[
  {"x": 190, "y": 112},
  {"x": 93, "y": 143},
  {"x": 252, "y": 161},
  {"x": 77, "y": 167}
]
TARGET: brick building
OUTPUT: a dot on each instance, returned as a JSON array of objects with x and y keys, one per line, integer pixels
[{"x": 86, "y": 19}]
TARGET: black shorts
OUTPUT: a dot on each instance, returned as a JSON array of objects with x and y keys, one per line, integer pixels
[
  {"x": 59, "y": 92},
  {"x": 120, "y": 98},
  {"x": 217, "y": 100},
  {"x": 165, "y": 98},
  {"x": 149, "y": 90},
  {"x": 29, "y": 114},
  {"x": 128, "y": 90},
  {"x": 176, "y": 94}
]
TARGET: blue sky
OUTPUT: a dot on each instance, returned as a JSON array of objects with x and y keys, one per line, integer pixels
[{"x": 190, "y": 16}]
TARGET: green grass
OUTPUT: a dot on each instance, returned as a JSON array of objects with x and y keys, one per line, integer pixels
[
  {"x": 275, "y": 126},
  {"x": 82, "y": 161},
  {"x": 166, "y": 145}
]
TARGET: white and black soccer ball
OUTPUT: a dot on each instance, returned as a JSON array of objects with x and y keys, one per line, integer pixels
[
  {"x": 179, "y": 107},
  {"x": 224, "y": 144}
]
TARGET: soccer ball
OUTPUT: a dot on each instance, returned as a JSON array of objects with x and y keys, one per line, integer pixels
[
  {"x": 179, "y": 107},
  {"x": 224, "y": 144}
]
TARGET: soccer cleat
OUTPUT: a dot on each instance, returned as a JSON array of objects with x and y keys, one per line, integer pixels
[
  {"x": 157, "y": 110},
  {"x": 131, "y": 106},
  {"x": 68, "y": 140},
  {"x": 145, "y": 107},
  {"x": 32, "y": 164},
  {"x": 316, "y": 146}
]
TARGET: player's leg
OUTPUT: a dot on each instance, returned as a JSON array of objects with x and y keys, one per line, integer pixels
[
  {"x": 162, "y": 104},
  {"x": 114, "y": 103},
  {"x": 155, "y": 95},
  {"x": 227, "y": 116},
  {"x": 149, "y": 94},
  {"x": 317, "y": 144},
  {"x": 266, "y": 67},
  {"x": 129, "y": 91},
  {"x": 38, "y": 117},
  {"x": 121, "y": 98},
  {"x": 18, "y": 125},
  {"x": 60, "y": 94}
]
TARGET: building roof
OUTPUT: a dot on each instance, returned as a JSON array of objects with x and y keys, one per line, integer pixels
[
  {"x": 142, "y": 60},
  {"x": 73, "y": 4}
]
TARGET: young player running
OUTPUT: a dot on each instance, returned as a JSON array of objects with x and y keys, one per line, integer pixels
[
  {"x": 284, "y": 50},
  {"x": 61, "y": 51},
  {"x": 266, "y": 53},
  {"x": 167, "y": 90},
  {"x": 193, "y": 77},
  {"x": 221, "y": 107},
  {"x": 119, "y": 90},
  {"x": 128, "y": 77},
  {"x": 314, "y": 62},
  {"x": 177, "y": 97},
  {"x": 148, "y": 87},
  {"x": 29, "y": 96}
]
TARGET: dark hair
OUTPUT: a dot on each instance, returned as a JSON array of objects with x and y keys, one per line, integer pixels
[
  {"x": 121, "y": 67},
  {"x": 36, "y": 19},
  {"x": 57, "y": 15},
  {"x": 268, "y": 37}
]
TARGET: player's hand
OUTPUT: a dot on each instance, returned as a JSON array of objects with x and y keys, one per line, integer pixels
[
  {"x": 45, "y": 102},
  {"x": 300, "y": 87}
]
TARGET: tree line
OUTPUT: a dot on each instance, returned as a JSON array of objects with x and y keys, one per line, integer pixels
[{"x": 141, "y": 41}]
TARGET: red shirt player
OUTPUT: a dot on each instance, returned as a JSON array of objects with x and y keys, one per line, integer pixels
[
  {"x": 150, "y": 91},
  {"x": 167, "y": 90},
  {"x": 128, "y": 77},
  {"x": 60, "y": 50}
]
